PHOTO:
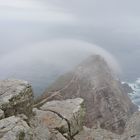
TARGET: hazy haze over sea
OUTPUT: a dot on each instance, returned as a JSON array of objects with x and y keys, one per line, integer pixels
[{"x": 27, "y": 26}]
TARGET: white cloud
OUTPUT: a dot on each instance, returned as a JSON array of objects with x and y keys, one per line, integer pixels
[
  {"x": 20, "y": 4},
  {"x": 29, "y": 10},
  {"x": 64, "y": 53}
]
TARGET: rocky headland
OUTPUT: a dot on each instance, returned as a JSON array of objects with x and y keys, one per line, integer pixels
[{"x": 88, "y": 103}]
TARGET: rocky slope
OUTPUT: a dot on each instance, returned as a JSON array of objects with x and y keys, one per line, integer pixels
[
  {"x": 107, "y": 103},
  {"x": 97, "y": 98},
  {"x": 56, "y": 120}
]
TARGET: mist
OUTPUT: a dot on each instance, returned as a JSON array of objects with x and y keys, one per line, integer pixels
[
  {"x": 43, "y": 62},
  {"x": 42, "y": 39}
]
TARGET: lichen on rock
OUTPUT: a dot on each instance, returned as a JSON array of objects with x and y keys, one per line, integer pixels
[
  {"x": 14, "y": 128},
  {"x": 16, "y": 97}
]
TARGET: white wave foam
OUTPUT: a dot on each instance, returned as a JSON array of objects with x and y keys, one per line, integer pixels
[{"x": 135, "y": 96}]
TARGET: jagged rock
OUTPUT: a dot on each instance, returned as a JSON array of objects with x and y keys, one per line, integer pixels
[
  {"x": 1, "y": 114},
  {"x": 105, "y": 99},
  {"x": 57, "y": 136},
  {"x": 96, "y": 134},
  {"x": 40, "y": 130},
  {"x": 57, "y": 114},
  {"x": 132, "y": 131},
  {"x": 14, "y": 128},
  {"x": 127, "y": 88},
  {"x": 16, "y": 97}
]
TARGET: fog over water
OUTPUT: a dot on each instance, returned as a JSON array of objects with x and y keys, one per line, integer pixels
[
  {"x": 29, "y": 30},
  {"x": 42, "y": 63}
]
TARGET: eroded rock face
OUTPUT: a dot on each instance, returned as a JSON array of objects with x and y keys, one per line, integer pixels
[
  {"x": 96, "y": 134},
  {"x": 54, "y": 120},
  {"x": 58, "y": 116},
  {"x": 132, "y": 131},
  {"x": 62, "y": 120},
  {"x": 40, "y": 130},
  {"x": 14, "y": 128},
  {"x": 1, "y": 114},
  {"x": 106, "y": 101},
  {"x": 57, "y": 136},
  {"x": 127, "y": 88},
  {"x": 16, "y": 97}
]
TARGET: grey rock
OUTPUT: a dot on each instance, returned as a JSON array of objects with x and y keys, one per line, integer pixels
[
  {"x": 14, "y": 128},
  {"x": 127, "y": 88},
  {"x": 57, "y": 136},
  {"x": 132, "y": 130},
  {"x": 96, "y": 134},
  {"x": 105, "y": 99},
  {"x": 71, "y": 109},
  {"x": 1, "y": 114},
  {"x": 16, "y": 97},
  {"x": 40, "y": 130}
]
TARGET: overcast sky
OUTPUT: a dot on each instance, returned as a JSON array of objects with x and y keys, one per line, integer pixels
[{"x": 112, "y": 24}]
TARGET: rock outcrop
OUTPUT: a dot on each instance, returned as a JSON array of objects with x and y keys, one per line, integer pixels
[
  {"x": 127, "y": 88},
  {"x": 55, "y": 120},
  {"x": 98, "y": 101},
  {"x": 16, "y": 97},
  {"x": 39, "y": 129},
  {"x": 1, "y": 114},
  {"x": 62, "y": 118},
  {"x": 14, "y": 128},
  {"x": 96, "y": 134},
  {"x": 132, "y": 130},
  {"x": 106, "y": 102}
]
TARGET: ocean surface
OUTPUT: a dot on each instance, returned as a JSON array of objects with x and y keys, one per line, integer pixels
[{"x": 135, "y": 96}]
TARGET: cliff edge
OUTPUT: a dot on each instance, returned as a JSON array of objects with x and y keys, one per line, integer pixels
[{"x": 107, "y": 103}]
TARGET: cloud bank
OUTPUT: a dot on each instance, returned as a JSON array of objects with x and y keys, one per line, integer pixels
[
  {"x": 64, "y": 54},
  {"x": 33, "y": 11},
  {"x": 112, "y": 24}
]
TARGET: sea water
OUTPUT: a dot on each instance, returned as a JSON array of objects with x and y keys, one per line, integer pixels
[{"x": 135, "y": 95}]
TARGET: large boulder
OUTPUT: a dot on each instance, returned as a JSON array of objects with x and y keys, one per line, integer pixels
[
  {"x": 14, "y": 128},
  {"x": 62, "y": 117},
  {"x": 105, "y": 99},
  {"x": 16, "y": 97}
]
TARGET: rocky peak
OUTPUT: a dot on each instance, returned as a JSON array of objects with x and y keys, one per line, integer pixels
[{"x": 106, "y": 102}]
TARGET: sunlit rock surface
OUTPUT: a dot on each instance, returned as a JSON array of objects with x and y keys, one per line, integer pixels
[{"x": 16, "y": 97}]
